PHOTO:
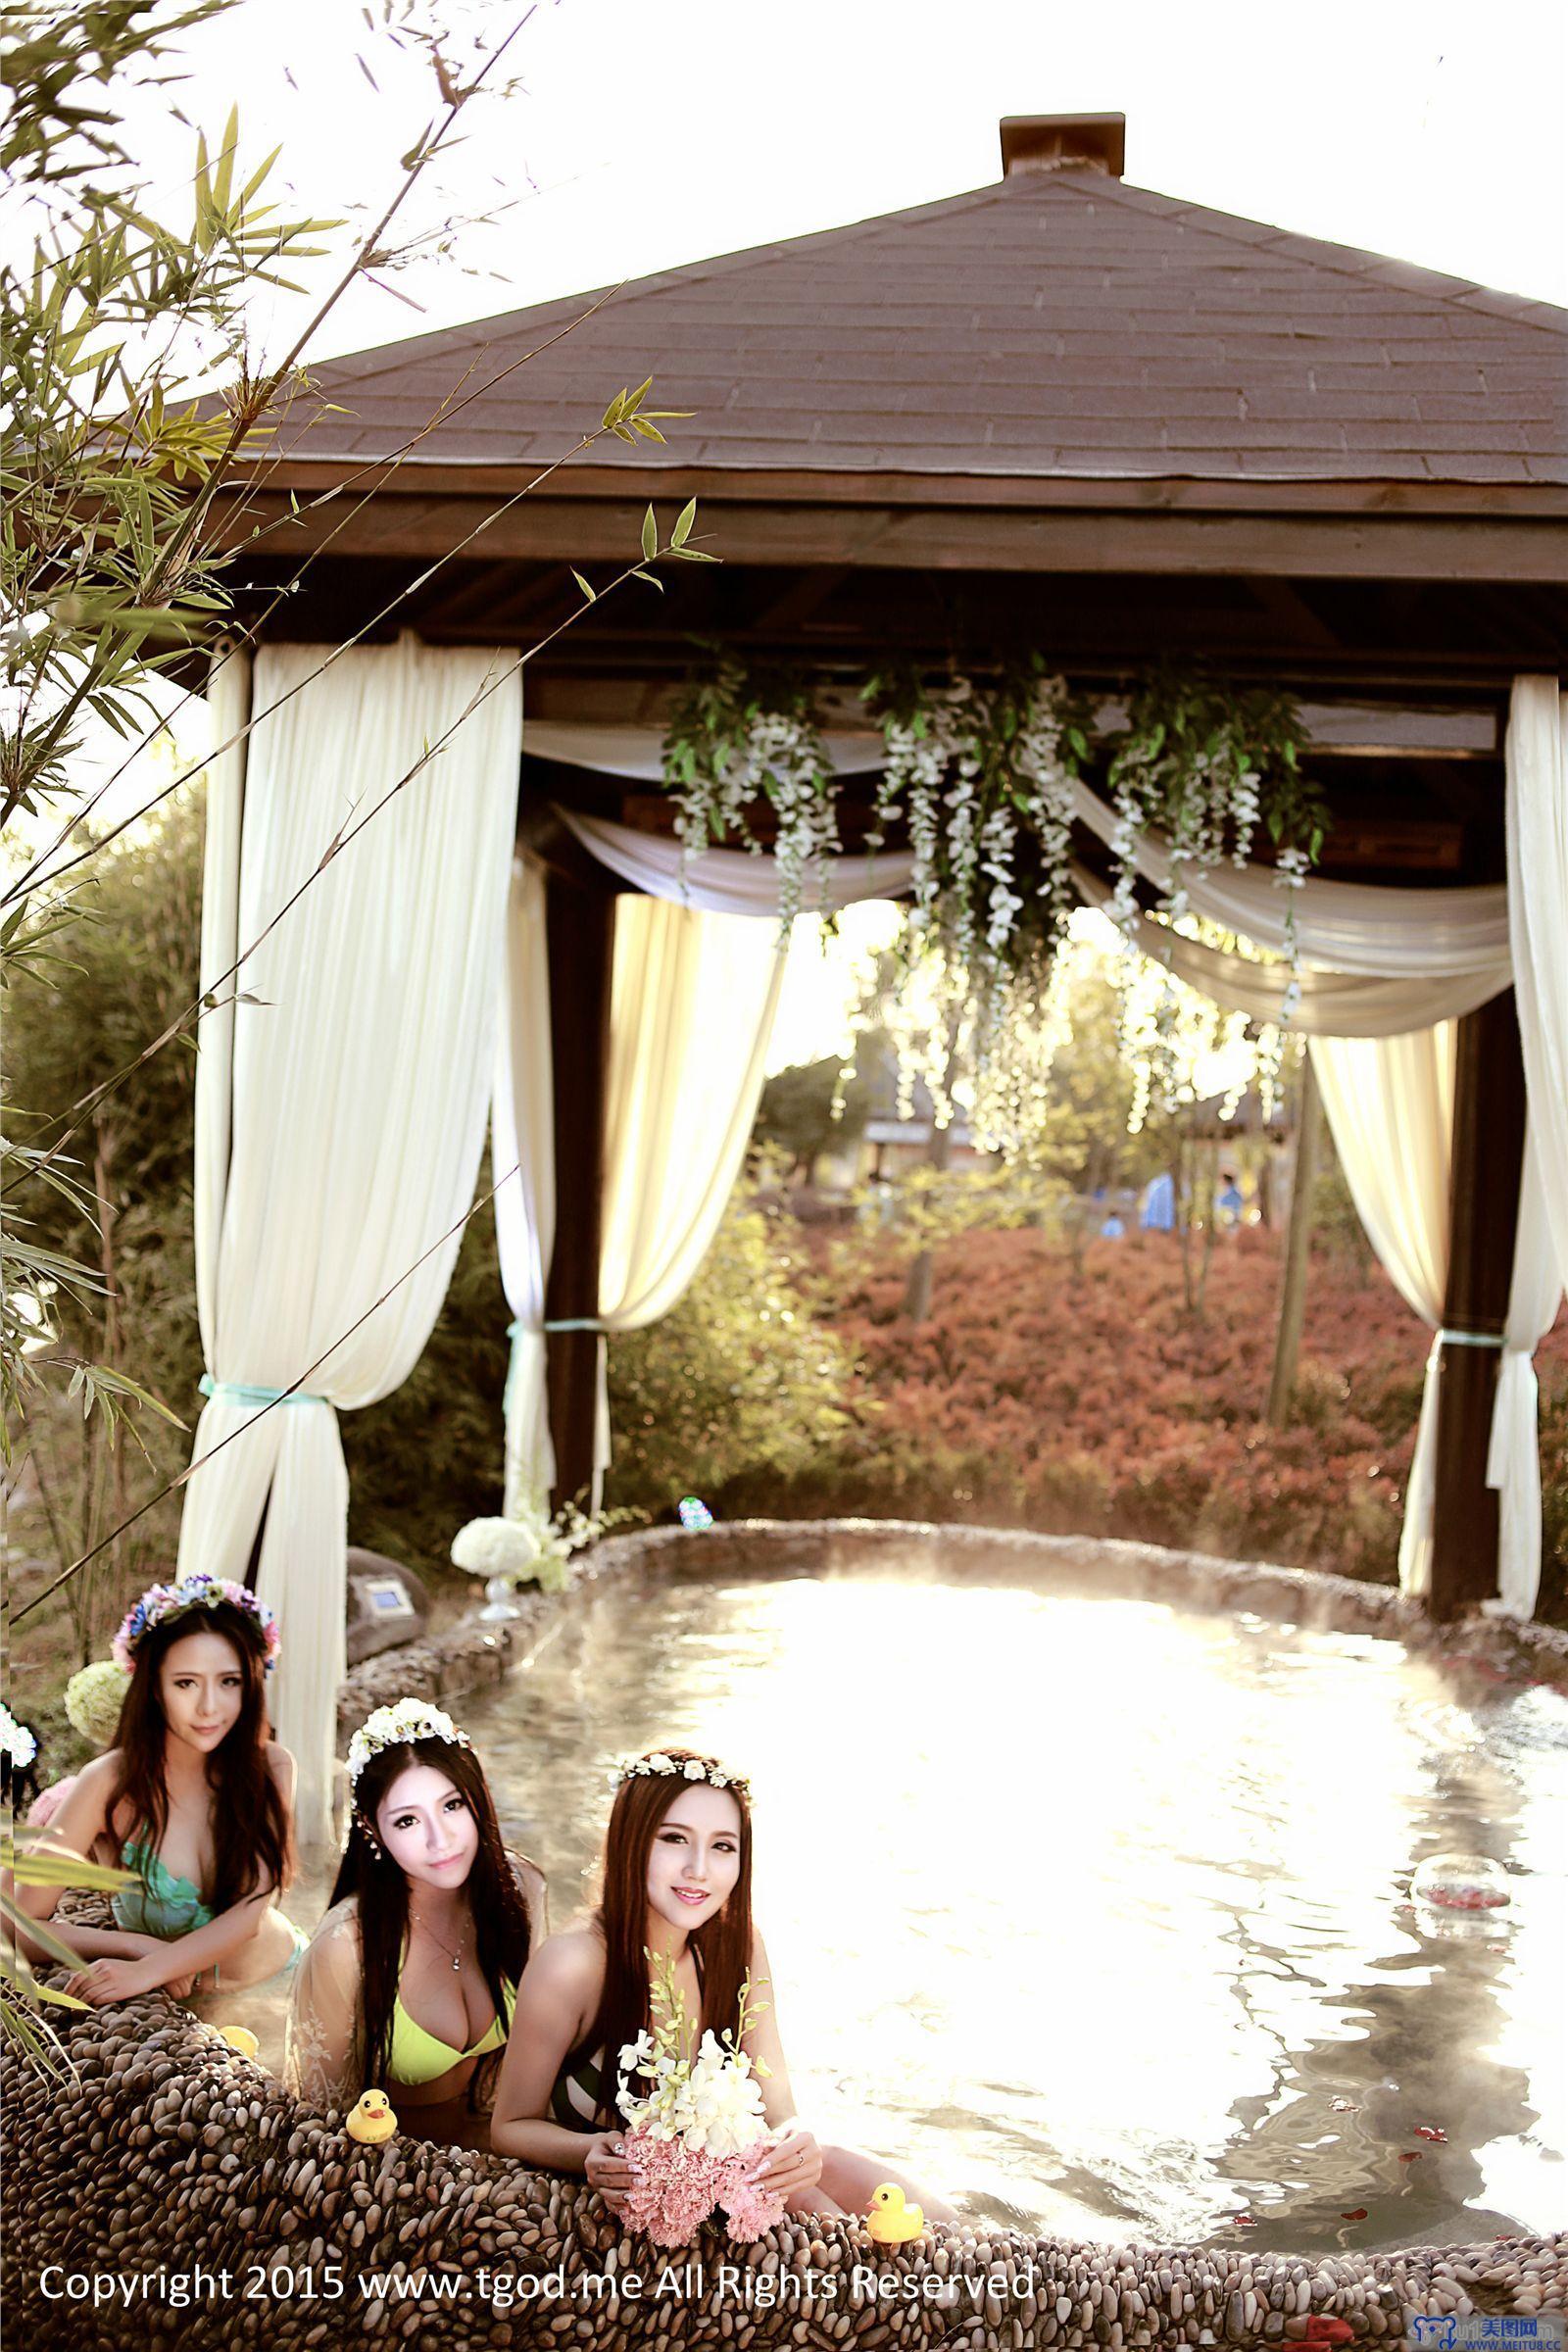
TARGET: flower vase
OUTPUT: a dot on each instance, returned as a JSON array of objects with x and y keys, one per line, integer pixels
[{"x": 500, "y": 1601}]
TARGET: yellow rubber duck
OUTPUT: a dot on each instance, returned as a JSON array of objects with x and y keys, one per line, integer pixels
[
  {"x": 242, "y": 2039},
  {"x": 371, "y": 2120},
  {"x": 892, "y": 2222}
]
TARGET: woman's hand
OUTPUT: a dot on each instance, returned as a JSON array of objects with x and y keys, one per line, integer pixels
[
  {"x": 795, "y": 2163},
  {"x": 140, "y": 1947},
  {"x": 607, "y": 2169},
  {"x": 105, "y": 1981}
]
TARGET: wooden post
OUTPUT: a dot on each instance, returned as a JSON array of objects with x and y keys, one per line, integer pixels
[
  {"x": 579, "y": 939},
  {"x": 1297, "y": 1245},
  {"x": 1489, "y": 1137}
]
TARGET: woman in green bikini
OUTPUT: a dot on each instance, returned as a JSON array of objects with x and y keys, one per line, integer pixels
[
  {"x": 194, "y": 1797},
  {"x": 410, "y": 1980}
]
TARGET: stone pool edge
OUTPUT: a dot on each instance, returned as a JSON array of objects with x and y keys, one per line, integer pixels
[
  {"x": 170, "y": 2149},
  {"x": 465, "y": 1657},
  {"x": 169, "y": 2154}
]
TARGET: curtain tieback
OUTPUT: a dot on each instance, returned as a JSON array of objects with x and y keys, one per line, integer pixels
[
  {"x": 242, "y": 1391},
  {"x": 577, "y": 1323},
  {"x": 1467, "y": 1339}
]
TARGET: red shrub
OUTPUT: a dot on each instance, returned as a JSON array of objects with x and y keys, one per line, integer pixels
[{"x": 1095, "y": 1402}]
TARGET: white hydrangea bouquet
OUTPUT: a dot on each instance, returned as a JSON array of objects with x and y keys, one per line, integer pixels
[
  {"x": 530, "y": 1545},
  {"x": 696, "y": 2126},
  {"x": 94, "y": 1697},
  {"x": 524, "y": 1549}
]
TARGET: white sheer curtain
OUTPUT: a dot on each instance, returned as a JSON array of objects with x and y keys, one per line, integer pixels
[
  {"x": 1538, "y": 907},
  {"x": 1348, "y": 927},
  {"x": 1389, "y": 1103},
  {"x": 1381, "y": 971},
  {"x": 636, "y": 748},
  {"x": 734, "y": 881},
  {"x": 691, "y": 1004},
  {"x": 355, "y": 1090},
  {"x": 1377, "y": 963},
  {"x": 1331, "y": 1004},
  {"x": 524, "y": 1135},
  {"x": 1513, "y": 1460}
]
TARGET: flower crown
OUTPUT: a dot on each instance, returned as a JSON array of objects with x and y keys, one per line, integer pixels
[
  {"x": 660, "y": 1767},
  {"x": 201, "y": 1591},
  {"x": 395, "y": 1727}
]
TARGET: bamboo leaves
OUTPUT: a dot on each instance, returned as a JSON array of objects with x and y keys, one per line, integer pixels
[
  {"x": 627, "y": 418},
  {"x": 114, "y": 558},
  {"x": 34, "y": 1862}
]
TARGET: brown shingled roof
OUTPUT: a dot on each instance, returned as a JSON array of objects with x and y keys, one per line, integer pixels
[{"x": 1055, "y": 326}]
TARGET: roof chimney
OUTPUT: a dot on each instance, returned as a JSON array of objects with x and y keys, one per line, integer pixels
[{"x": 1063, "y": 143}]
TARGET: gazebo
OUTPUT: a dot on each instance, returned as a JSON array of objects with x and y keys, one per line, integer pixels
[{"x": 1057, "y": 413}]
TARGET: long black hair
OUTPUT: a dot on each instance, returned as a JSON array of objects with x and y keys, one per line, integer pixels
[
  {"x": 720, "y": 1948},
  {"x": 381, "y": 1892},
  {"x": 253, "y": 1835}
]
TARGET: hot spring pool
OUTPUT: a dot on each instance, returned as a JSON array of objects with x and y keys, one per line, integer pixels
[{"x": 1092, "y": 1911}]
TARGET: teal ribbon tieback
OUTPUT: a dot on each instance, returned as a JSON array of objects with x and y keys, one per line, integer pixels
[
  {"x": 517, "y": 1332},
  {"x": 240, "y": 1392}
]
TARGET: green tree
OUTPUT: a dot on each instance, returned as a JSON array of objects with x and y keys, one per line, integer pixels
[
  {"x": 806, "y": 1112},
  {"x": 130, "y": 961},
  {"x": 1083, "y": 1140},
  {"x": 136, "y": 392},
  {"x": 740, "y": 1375}
]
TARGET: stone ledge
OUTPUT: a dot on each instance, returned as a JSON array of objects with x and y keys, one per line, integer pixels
[
  {"x": 469, "y": 1655},
  {"x": 170, "y": 2152}
]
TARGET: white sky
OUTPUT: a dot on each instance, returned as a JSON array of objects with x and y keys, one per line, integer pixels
[
  {"x": 648, "y": 135},
  {"x": 652, "y": 135}
]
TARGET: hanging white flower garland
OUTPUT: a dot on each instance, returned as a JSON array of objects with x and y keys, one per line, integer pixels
[
  {"x": 731, "y": 750},
  {"x": 984, "y": 782}
]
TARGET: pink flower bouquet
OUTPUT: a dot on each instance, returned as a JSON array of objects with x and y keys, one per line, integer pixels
[{"x": 697, "y": 2130}]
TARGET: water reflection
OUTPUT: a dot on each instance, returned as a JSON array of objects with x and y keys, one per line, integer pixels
[{"x": 1090, "y": 1910}]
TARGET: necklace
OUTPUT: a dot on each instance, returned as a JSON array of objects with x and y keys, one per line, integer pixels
[{"x": 456, "y": 1957}]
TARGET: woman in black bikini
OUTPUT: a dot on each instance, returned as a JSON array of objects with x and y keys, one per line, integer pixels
[{"x": 677, "y": 1883}]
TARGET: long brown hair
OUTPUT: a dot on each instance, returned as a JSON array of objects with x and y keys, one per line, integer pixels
[
  {"x": 253, "y": 1835},
  {"x": 722, "y": 1946},
  {"x": 381, "y": 1892}
]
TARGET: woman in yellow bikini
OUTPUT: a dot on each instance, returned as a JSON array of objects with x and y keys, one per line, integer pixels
[{"x": 410, "y": 1980}]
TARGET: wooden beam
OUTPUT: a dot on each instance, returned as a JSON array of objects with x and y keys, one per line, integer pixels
[
  {"x": 1300, "y": 623},
  {"x": 793, "y": 607},
  {"x": 874, "y": 486},
  {"x": 1050, "y": 537},
  {"x": 1349, "y": 729},
  {"x": 1360, "y": 730},
  {"x": 1489, "y": 1136},
  {"x": 579, "y": 939}
]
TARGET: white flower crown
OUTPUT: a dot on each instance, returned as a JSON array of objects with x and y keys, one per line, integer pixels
[
  {"x": 680, "y": 1768},
  {"x": 395, "y": 1727}
]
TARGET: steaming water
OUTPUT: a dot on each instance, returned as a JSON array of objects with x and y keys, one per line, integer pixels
[{"x": 1088, "y": 1910}]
